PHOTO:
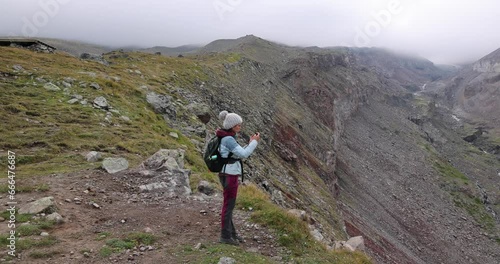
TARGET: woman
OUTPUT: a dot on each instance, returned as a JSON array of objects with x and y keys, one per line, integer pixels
[{"x": 231, "y": 171}]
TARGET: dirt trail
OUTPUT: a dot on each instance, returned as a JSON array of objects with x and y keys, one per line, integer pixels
[{"x": 177, "y": 223}]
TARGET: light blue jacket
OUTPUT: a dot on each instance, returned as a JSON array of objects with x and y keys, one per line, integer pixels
[{"x": 228, "y": 145}]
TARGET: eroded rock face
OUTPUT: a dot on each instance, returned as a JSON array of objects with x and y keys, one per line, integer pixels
[{"x": 487, "y": 66}]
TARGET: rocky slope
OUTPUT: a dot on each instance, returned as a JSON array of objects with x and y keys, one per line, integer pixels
[
  {"x": 474, "y": 92},
  {"x": 345, "y": 138}
]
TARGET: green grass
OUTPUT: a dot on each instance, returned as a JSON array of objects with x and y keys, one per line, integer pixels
[
  {"x": 463, "y": 194},
  {"x": 292, "y": 232},
  {"x": 213, "y": 252},
  {"x": 129, "y": 241},
  {"x": 450, "y": 172},
  {"x": 28, "y": 243},
  {"x": 34, "y": 228},
  {"x": 141, "y": 238},
  {"x": 106, "y": 251},
  {"x": 57, "y": 135},
  {"x": 474, "y": 208},
  {"x": 20, "y": 218},
  {"x": 102, "y": 236},
  {"x": 120, "y": 244},
  {"x": 28, "y": 230},
  {"x": 4, "y": 188}
]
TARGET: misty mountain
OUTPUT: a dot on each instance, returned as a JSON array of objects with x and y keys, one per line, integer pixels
[{"x": 474, "y": 93}]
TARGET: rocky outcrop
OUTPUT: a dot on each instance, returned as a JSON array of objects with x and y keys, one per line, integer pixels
[
  {"x": 164, "y": 172},
  {"x": 162, "y": 104},
  {"x": 474, "y": 93}
]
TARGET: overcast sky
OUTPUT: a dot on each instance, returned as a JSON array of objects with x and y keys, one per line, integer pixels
[{"x": 447, "y": 31}]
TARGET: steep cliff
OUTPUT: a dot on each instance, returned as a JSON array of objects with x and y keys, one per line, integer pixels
[{"x": 474, "y": 92}]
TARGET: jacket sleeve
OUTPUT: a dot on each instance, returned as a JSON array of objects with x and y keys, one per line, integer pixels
[{"x": 239, "y": 151}]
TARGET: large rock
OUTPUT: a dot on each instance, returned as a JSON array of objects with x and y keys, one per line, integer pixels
[
  {"x": 93, "y": 156},
  {"x": 57, "y": 218},
  {"x": 166, "y": 168},
  {"x": 51, "y": 87},
  {"x": 95, "y": 86},
  {"x": 101, "y": 102},
  {"x": 202, "y": 111},
  {"x": 114, "y": 165},
  {"x": 302, "y": 215},
  {"x": 44, "y": 205},
  {"x": 226, "y": 260},
  {"x": 172, "y": 184},
  {"x": 162, "y": 104},
  {"x": 18, "y": 67},
  {"x": 316, "y": 234},
  {"x": 356, "y": 243},
  {"x": 165, "y": 159},
  {"x": 205, "y": 187}
]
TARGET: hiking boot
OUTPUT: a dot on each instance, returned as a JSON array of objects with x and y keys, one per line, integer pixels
[
  {"x": 237, "y": 238},
  {"x": 229, "y": 241}
]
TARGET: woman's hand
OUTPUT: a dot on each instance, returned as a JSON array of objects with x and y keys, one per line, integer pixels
[{"x": 255, "y": 136}]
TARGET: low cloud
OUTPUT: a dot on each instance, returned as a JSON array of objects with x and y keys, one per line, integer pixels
[{"x": 442, "y": 31}]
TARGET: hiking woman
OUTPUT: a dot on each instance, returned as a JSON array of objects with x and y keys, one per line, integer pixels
[{"x": 230, "y": 173}]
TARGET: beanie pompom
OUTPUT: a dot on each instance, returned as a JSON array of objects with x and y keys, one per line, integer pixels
[{"x": 222, "y": 115}]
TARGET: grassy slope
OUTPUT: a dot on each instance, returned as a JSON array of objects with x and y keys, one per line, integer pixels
[{"x": 51, "y": 136}]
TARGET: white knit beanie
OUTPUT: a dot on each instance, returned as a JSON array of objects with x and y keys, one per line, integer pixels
[{"x": 229, "y": 119}]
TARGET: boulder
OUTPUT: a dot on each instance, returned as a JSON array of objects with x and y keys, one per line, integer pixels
[
  {"x": 69, "y": 80},
  {"x": 226, "y": 260},
  {"x": 66, "y": 84},
  {"x": 94, "y": 57},
  {"x": 356, "y": 243},
  {"x": 316, "y": 234},
  {"x": 101, "y": 102},
  {"x": 93, "y": 156},
  {"x": 51, "y": 87},
  {"x": 55, "y": 217},
  {"x": 302, "y": 215},
  {"x": 95, "y": 86},
  {"x": 205, "y": 187},
  {"x": 44, "y": 205},
  {"x": 202, "y": 111},
  {"x": 18, "y": 67},
  {"x": 114, "y": 165},
  {"x": 174, "y": 135},
  {"x": 162, "y": 104},
  {"x": 165, "y": 159},
  {"x": 173, "y": 184}
]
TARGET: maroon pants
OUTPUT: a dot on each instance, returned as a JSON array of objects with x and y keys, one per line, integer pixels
[{"x": 230, "y": 184}]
